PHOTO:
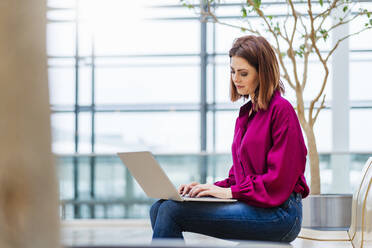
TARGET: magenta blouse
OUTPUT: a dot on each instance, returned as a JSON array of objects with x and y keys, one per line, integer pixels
[{"x": 269, "y": 155}]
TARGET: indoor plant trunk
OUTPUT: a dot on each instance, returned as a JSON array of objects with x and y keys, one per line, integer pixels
[{"x": 307, "y": 126}]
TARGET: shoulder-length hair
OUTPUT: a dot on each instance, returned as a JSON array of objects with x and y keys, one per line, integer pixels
[{"x": 259, "y": 54}]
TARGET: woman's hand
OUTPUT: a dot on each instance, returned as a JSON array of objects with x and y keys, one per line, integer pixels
[
  {"x": 210, "y": 190},
  {"x": 184, "y": 189}
]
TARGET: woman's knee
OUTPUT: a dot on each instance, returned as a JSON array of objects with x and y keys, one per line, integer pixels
[
  {"x": 155, "y": 208},
  {"x": 170, "y": 208}
]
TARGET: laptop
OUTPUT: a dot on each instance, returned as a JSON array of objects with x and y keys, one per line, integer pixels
[{"x": 153, "y": 180}]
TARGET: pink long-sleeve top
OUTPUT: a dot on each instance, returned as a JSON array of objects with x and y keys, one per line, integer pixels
[{"x": 269, "y": 155}]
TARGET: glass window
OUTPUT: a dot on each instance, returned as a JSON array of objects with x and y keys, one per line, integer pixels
[
  {"x": 85, "y": 132},
  {"x": 61, "y": 39},
  {"x": 65, "y": 177},
  {"x": 157, "y": 132},
  {"x": 360, "y": 81},
  {"x": 364, "y": 39},
  {"x": 61, "y": 4},
  {"x": 86, "y": 39},
  {"x": 360, "y": 130},
  {"x": 315, "y": 77},
  {"x": 150, "y": 37},
  {"x": 61, "y": 15},
  {"x": 61, "y": 85},
  {"x": 225, "y": 124},
  {"x": 85, "y": 85},
  {"x": 84, "y": 182},
  {"x": 181, "y": 169},
  {"x": 222, "y": 79},
  {"x": 322, "y": 130},
  {"x": 218, "y": 167},
  {"x": 110, "y": 178},
  {"x": 147, "y": 81},
  {"x": 63, "y": 132},
  {"x": 225, "y": 35}
]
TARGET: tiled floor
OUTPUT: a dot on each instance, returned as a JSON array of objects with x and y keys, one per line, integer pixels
[{"x": 135, "y": 232}]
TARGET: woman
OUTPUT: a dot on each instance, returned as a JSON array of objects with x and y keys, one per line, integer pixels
[{"x": 269, "y": 156}]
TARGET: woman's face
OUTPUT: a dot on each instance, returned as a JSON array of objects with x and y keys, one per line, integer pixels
[{"x": 244, "y": 76}]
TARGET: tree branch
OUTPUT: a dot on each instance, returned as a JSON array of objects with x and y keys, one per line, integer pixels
[
  {"x": 209, "y": 13},
  {"x": 285, "y": 24},
  {"x": 303, "y": 25},
  {"x": 286, "y": 75},
  {"x": 327, "y": 11},
  {"x": 345, "y": 22},
  {"x": 306, "y": 63},
  {"x": 313, "y": 41},
  {"x": 294, "y": 13},
  {"x": 345, "y": 37},
  {"x": 322, "y": 106}
]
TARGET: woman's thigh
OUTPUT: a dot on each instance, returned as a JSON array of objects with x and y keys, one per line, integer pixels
[{"x": 232, "y": 220}]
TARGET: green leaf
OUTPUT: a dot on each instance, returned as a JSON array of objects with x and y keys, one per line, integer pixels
[
  {"x": 324, "y": 34},
  {"x": 257, "y": 3},
  {"x": 345, "y": 9},
  {"x": 369, "y": 14},
  {"x": 277, "y": 28},
  {"x": 243, "y": 29},
  {"x": 370, "y": 22},
  {"x": 299, "y": 53},
  {"x": 321, "y": 2},
  {"x": 244, "y": 12},
  {"x": 270, "y": 17}
]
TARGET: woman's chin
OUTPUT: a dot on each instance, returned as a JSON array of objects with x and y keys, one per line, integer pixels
[{"x": 242, "y": 92}]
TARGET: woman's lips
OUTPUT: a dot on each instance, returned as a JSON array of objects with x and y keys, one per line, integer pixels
[{"x": 239, "y": 86}]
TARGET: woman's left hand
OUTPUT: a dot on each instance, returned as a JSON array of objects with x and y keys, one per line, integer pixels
[{"x": 210, "y": 190}]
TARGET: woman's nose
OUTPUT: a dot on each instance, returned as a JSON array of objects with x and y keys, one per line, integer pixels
[{"x": 235, "y": 78}]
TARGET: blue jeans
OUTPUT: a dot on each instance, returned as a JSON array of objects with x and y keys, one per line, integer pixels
[{"x": 237, "y": 220}]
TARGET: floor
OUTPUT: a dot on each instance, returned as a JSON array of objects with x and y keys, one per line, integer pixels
[{"x": 125, "y": 233}]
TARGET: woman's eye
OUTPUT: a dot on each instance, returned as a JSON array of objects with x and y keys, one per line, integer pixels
[
  {"x": 232, "y": 72},
  {"x": 244, "y": 74}
]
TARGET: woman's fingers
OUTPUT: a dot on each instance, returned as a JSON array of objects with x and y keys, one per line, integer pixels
[
  {"x": 181, "y": 189},
  {"x": 189, "y": 187},
  {"x": 197, "y": 189},
  {"x": 185, "y": 188},
  {"x": 204, "y": 193}
]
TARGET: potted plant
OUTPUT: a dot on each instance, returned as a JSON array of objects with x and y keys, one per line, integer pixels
[{"x": 296, "y": 36}]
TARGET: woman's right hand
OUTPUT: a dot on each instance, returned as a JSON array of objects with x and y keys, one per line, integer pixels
[{"x": 184, "y": 189}]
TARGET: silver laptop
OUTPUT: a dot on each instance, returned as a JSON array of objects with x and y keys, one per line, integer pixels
[{"x": 151, "y": 177}]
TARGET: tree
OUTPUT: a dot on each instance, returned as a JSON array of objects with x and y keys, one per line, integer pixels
[{"x": 298, "y": 34}]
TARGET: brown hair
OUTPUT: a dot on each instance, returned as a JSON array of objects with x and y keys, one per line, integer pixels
[{"x": 259, "y": 54}]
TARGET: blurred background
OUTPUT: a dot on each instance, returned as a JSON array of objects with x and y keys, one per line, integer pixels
[{"x": 148, "y": 75}]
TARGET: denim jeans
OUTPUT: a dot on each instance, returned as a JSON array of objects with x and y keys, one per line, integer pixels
[{"x": 237, "y": 220}]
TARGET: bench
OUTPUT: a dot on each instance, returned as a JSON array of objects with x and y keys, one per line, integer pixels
[{"x": 359, "y": 234}]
